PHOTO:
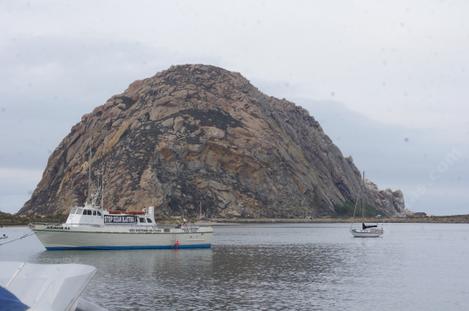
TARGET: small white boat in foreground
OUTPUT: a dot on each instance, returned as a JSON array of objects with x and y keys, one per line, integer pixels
[
  {"x": 45, "y": 287},
  {"x": 93, "y": 228}
]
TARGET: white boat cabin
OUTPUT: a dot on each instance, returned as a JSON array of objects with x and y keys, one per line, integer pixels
[{"x": 96, "y": 216}]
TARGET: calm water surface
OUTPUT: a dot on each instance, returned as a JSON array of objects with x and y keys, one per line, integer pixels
[{"x": 277, "y": 267}]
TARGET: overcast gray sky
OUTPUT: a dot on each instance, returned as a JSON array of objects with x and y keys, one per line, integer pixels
[{"x": 387, "y": 79}]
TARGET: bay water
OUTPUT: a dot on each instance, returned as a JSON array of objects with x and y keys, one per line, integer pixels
[{"x": 279, "y": 267}]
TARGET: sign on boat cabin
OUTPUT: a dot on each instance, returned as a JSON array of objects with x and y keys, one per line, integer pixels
[{"x": 119, "y": 219}]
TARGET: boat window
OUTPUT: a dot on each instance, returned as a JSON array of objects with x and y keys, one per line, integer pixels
[
  {"x": 149, "y": 220},
  {"x": 94, "y": 213},
  {"x": 99, "y": 213},
  {"x": 141, "y": 219},
  {"x": 79, "y": 210},
  {"x": 73, "y": 211}
]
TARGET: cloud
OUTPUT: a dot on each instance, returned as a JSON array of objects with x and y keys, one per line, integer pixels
[
  {"x": 16, "y": 186},
  {"x": 48, "y": 83},
  {"x": 68, "y": 68}
]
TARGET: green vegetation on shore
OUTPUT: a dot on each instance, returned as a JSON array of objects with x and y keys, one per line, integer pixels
[
  {"x": 15, "y": 220},
  {"x": 346, "y": 210}
]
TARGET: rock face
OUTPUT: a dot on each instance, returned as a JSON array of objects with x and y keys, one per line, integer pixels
[{"x": 200, "y": 139}]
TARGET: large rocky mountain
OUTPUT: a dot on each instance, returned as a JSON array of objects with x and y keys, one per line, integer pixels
[{"x": 200, "y": 139}]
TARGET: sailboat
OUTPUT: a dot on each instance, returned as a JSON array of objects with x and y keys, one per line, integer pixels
[{"x": 364, "y": 230}]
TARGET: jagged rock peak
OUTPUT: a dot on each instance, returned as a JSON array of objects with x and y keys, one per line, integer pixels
[
  {"x": 193, "y": 76},
  {"x": 200, "y": 139}
]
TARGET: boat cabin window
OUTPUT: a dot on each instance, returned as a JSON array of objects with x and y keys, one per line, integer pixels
[
  {"x": 73, "y": 211},
  {"x": 141, "y": 219},
  {"x": 94, "y": 213},
  {"x": 99, "y": 213},
  {"x": 87, "y": 212},
  {"x": 149, "y": 220},
  {"x": 79, "y": 210}
]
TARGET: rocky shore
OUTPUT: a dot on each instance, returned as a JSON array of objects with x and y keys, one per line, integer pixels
[{"x": 462, "y": 219}]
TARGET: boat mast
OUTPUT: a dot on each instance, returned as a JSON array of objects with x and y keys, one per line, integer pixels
[
  {"x": 89, "y": 177},
  {"x": 357, "y": 200},
  {"x": 363, "y": 188},
  {"x": 102, "y": 187}
]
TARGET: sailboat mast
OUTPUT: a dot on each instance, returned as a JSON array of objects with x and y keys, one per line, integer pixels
[{"x": 363, "y": 191}]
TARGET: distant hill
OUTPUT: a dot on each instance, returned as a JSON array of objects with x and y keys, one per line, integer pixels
[{"x": 200, "y": 139}]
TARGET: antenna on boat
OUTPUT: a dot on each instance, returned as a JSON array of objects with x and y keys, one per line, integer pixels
[
  {"x": 200, "y": 210},
  {"x": 102, "y": 186},
  {"x": 89, "y": 176}
]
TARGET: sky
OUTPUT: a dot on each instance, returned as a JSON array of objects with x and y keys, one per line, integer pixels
[{"x": 386, "y": 79}]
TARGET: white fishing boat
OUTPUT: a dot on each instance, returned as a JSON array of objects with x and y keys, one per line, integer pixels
[
  {"x": 46, "y": 287},
  {"x": 364, "y": 230},
  {"x": 91, "y": 228}
]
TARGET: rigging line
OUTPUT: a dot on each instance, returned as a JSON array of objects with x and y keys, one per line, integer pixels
[{"x": 19, "y": 238}]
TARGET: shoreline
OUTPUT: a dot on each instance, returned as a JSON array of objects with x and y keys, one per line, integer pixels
[
  {"x": 9, "y": 220},
  {"x": 458, "y": 219}
]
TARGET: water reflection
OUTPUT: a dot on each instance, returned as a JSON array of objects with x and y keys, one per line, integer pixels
[
  {"x": 140, "y": 279},
  {"x": 226, "y": 277},
  {"x": 286, "y": 276}
]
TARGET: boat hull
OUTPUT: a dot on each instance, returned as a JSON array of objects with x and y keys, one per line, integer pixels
[
  {"x": 375, "y": 233},
  {"x": 45, "y": 286},
  {"x": 101, "y": 240},
  {"x": 125, "y": 247}
]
